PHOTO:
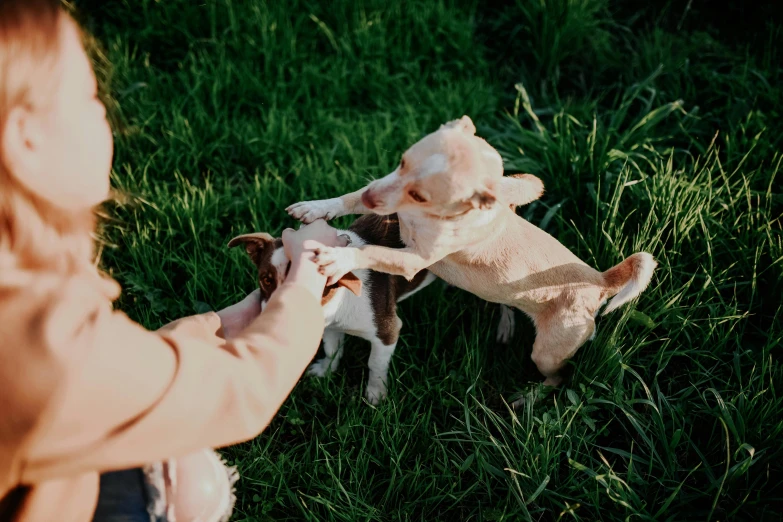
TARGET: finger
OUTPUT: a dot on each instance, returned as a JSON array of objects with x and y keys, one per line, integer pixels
[
  {"x": 313, "y": 244},
  {"x": 287, "y": 239},
  {"x": 316, "y": 225}
]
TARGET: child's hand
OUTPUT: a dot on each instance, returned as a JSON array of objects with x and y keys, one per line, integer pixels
[
  {"x": 238, "y": 316},
  {"x": 300, "y": 245}
]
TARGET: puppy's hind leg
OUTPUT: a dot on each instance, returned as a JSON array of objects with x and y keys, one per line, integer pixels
[
  {"x": 557, "y": 340},
  {"x": 333, "y": 351},
  {"x": 381, "y": 353}
]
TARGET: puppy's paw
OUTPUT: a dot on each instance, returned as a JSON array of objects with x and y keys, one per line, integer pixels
[
  {"x": 309, "y": 211},
  {"x": 507, "y": 325},
  {"x": 321, "y": 367},
  {"x": 334, "y": 262},
  {"x": 375, "y": 392}
]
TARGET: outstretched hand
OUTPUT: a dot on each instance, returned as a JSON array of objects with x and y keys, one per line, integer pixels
[
  {"x": 238, "y": 316},
  {"x": 303, "y": 242},
  {"x": 301, "y": 246}
]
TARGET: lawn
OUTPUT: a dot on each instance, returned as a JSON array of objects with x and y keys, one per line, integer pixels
[{"x": 654, "y": 128}]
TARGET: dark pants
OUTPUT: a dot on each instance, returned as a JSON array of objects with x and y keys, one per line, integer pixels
[{"x": 124, "y": 497}]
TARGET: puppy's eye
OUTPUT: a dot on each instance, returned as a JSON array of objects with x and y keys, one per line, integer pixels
[
  {"x": 416, "y": 196},
  {"x": 267, "y": 280}
]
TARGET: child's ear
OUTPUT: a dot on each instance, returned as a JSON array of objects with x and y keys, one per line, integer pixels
[
  {"x": 22, "y": 148},
  {"x": 255, "y": 243}
]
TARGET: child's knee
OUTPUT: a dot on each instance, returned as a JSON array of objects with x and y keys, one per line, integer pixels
[{"x": 203, "y": 492}]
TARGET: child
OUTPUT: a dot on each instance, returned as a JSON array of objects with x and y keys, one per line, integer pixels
[{"x": 94, "y": 409}]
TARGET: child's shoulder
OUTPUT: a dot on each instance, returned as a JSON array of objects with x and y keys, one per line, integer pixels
[
  {"x": 41, "y": 315},
  {"x": 45, "y": 308}
]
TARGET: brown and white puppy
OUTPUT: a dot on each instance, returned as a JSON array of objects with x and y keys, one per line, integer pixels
[
  {"x": 456, "y": 219},
  {"x": 364, "y": 304}
]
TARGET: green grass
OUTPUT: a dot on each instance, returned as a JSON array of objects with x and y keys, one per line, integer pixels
[{"x": 656, "y": 130}]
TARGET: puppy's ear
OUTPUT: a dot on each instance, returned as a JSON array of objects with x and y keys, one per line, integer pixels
[
  {"x": 464, "y": 124},
  {"x": 255, "y": 243},
  {"x": 352, "y": 283}
]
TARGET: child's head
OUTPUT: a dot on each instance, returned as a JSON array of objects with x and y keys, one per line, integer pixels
[{"x": 55, "y": 143}]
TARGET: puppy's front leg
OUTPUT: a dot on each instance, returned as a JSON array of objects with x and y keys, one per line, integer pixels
[
  {"x": 309, "y": 211},
  {"x": 407, "y": 262}
]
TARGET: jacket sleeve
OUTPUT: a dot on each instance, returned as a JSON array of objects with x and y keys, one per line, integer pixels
[{"x": 130, "y": 396}]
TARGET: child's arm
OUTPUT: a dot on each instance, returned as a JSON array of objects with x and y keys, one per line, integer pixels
[
  {"x": 131, "y": 397},
  {"x": 233, "y": 320}
]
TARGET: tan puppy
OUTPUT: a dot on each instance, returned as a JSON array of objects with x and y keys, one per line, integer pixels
[{"x": 455, "y": 211}]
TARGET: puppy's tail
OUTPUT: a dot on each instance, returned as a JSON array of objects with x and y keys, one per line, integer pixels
[{"x": 628, "y": 279}]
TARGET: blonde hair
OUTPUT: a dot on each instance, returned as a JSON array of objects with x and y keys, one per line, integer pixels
[{"x": 34, "y": 235}]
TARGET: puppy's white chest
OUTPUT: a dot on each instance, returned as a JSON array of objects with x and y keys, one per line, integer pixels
[
  {"x": 332, "y": 308},
  {"x": 428, "y": 235},
  {"x": 349, "y": 313}
]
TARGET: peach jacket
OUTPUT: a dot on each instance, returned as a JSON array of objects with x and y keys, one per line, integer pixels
[{"x": 83, "y": 389}]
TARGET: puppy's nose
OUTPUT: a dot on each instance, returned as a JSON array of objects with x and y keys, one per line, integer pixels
[{"x": 368, "y": 200}]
